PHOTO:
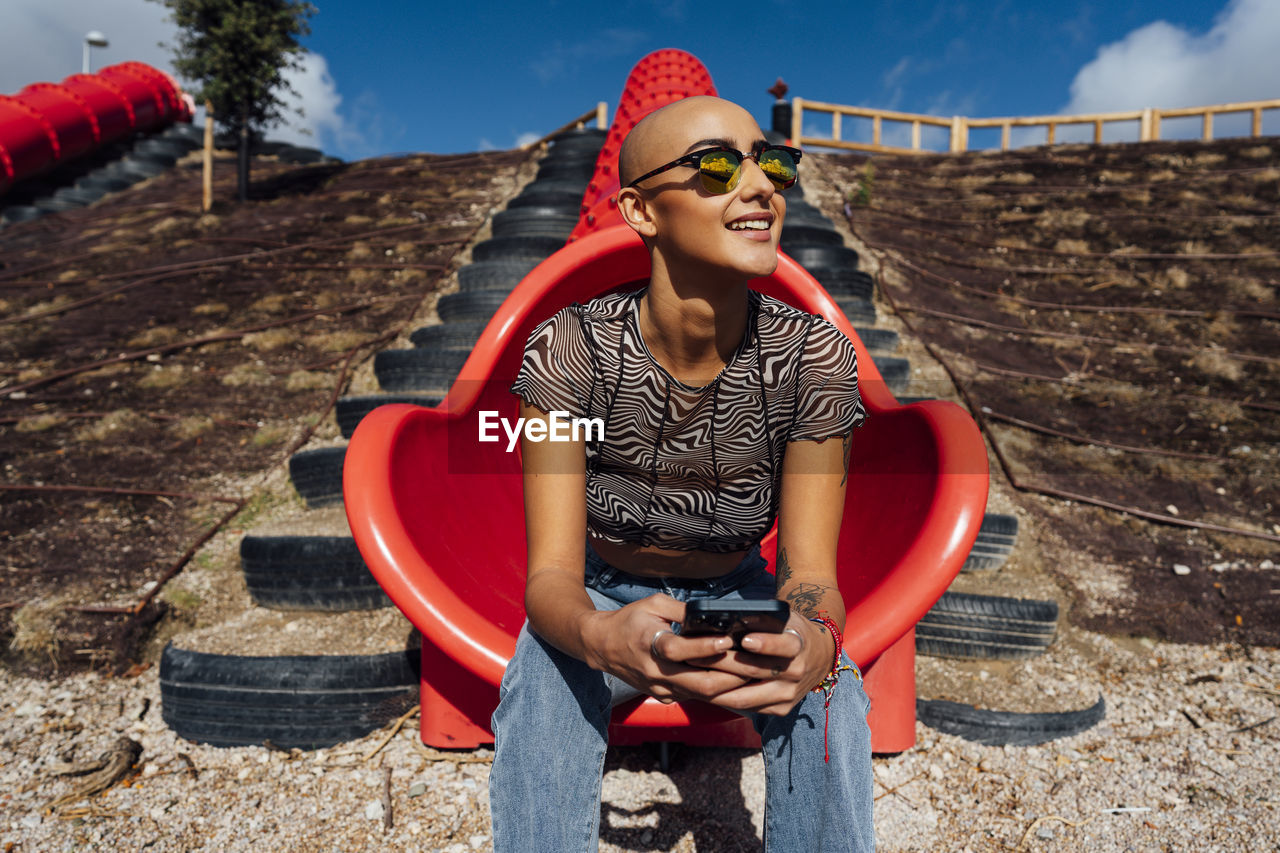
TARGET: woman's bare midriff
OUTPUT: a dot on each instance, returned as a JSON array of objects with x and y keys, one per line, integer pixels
[{"x": 656, "y": 562}]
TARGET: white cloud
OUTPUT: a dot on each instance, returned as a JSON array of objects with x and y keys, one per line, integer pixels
[
  {"x": 43, "y": 41},
  {"x": 1162, "y": 65}
]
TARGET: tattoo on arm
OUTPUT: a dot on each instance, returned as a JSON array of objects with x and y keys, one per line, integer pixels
[
  {"x": 805, "y": 597},
  {"x": 847, "y": 441},
  {"x": 784, "y": 568}
]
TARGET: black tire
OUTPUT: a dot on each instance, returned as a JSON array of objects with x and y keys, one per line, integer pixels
[
  {"x": 461, "y": 336},
  {"x": 999, "y": 527},
  {"x": 351, "y": 410},
  {"x": 185, "y": 132},
  {"x": 22, "y": 213},
  {"x": 323, "y": 573},
  {"x": 578, "y": 140},
  {"x": 470, "y": 306},
  {"x": 53, "y": 204},
  {"x": 984, "y": 558},
  {"x": 830, "y": 257},
  {"x": 141, "y": 167},
  {"x": 1006, "y": 728},
  {"x": 845, "y": 282},
  {"x": 804, "y": 234},
  {"x": 896, "y": 372},
  {"x": 418, "y": 369},
  {"x": 507, "y": 248},
  {"x": 859, "y": 311},
  {"x": 534, "y": 221},
  {"x": 878, "y": 340},
  {"x": 560, "y": 200},
  {"x": 80, "y": 195},
  {"x": 983, "y": 627},
  {"x": 167, "y": 147},
  {"x": 107, "y": 183},
  {"x": 495, "y": 275},
  {"x": 541, "y": 188},
  {"x": 567, "y": 167},
  {"x": 303, "y": 701},
  {"x": 317, "y": 475},
  {"x": 1026, "y": 615},
  {"x": 934, "y": 642}
]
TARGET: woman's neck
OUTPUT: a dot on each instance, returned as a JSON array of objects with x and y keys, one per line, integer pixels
[{"x": 693, "y": 331}]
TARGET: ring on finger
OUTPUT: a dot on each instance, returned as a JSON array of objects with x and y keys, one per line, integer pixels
[
  {"x": 653, "y": 643},
  {"x": 798, "y": 635}
]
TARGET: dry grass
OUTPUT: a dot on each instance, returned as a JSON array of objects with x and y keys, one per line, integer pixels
[
  {"x": 1209, "y": 158},
  {"x": 1265, "y": 176},
  {"x": 1259, "y": 152},
  {"x": 272, "y": 303},
  {"x": 1249, "y": 289},
  {"x": 154, "y": 337},
  {"x": 359, "y": 251},
  {"x": 39, "y": 423},
  {"x": 1074, "y": 247},
  {"x": 1174, "y": 278},
  {"x": 193, "y": 427},
  {"x": 270, "y": 339},
  {"x": 1215, "y": 363},
  {"x": 1109, "y": 176},
  {"x": 357, "y": 219},
  {"x": 364, "y": 278},
  {"x": 338, "y": 341},
  {"x": 165, "y": 225},
  {"x": 271, "y": 434},
  {"x": 306, "y": 380},
  {"x": 111, "y": 425},
  {"x": 247, "y": 374},
  {"x": 1162, "y": 176},
  {"x": 1058, "y": 218},
  {"x": 1195, "y": 247},
  {"x": 164, "y": 377},
  {"x": 209, "y": 309},
  {"x": 35, "y": 626}
]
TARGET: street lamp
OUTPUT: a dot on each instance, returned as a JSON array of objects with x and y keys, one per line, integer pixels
[{"x": 92, "y": 39}]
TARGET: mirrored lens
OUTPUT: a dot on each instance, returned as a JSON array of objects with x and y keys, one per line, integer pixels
[
  {"x": 719, "y": 170},
  {"x": 779, "y": 167}
]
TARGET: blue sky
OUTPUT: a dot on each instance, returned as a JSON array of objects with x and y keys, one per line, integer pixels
[{"x": 386, "y": 77}]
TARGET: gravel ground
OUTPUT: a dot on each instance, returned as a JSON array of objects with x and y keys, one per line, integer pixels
[{"x": 1185, "y": 760}]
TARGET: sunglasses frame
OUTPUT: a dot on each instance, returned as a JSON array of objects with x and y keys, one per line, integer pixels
[{"x": 694, "y": 158}]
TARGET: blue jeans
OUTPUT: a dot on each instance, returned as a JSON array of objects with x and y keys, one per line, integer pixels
[{"x": 552, "y": 724}]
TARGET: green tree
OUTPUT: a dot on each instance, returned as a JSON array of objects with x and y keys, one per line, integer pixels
[{"x": 238, "y": 52}]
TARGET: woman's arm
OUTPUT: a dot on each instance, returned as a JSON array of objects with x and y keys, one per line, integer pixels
[
  {"x": 620, "y": 642},
  {"x": 788, "y": 665}
]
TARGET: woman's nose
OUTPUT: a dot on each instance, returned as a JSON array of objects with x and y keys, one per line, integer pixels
[{"x": 753, "y": 181}]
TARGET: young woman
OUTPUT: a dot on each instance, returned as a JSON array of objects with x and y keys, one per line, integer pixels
[{"x": 723, "y": 410}]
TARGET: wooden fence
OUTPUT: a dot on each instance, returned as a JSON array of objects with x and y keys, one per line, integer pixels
[
  {"x": 600, "y": 114},
  {"x": 958, "y": 126}
]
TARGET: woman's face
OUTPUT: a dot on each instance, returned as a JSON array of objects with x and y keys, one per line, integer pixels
[{"x": 702, "y": 233}]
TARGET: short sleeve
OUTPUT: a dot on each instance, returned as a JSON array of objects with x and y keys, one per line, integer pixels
[
  {"x": 556, "y": 372},
  {"x": 827, "y": 399}
]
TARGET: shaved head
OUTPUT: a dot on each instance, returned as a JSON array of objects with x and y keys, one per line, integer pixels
[{"x": 665, "y": 133}]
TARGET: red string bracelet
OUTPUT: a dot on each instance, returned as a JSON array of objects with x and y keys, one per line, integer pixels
[{"x": 828, "y": 684}]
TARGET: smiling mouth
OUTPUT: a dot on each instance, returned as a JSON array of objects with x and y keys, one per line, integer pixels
[{"x": 749, "y": 225}]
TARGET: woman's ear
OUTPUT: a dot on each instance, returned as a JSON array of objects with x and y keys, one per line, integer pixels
[{"x": 636, "y": 212}]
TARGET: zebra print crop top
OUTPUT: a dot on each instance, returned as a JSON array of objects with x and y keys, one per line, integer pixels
[{"x": 690, "y": 468}]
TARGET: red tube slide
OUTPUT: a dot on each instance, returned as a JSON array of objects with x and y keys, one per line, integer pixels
[
  {"x": 438, "y": 514},
  {"x": 47, "y": 124}
]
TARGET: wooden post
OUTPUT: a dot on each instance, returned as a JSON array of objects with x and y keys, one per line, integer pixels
[
  {"x": 1208, "y": 125},
  {"x": 1257, "y": 121},
  {"x": 1052, "y": 131},
  {"x": 1155, "y": 125},
  {"x": 207, "y": 199},
  {"x": 915, "y": 135},
  {"x": 1097, "y": 131},
  {"x": 797, "y": 113},
  {"x": 875, "y": 130},
  {"x": 602, "y": 116},
  {"x": 835, "y": 125},
  {"x": 1004, "y": 136},
  {"x": 957, "y": 134},
  {"x": 1144, "y": 125}
]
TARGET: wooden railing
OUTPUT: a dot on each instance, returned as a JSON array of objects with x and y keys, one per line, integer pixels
[
  {"x": 600, "y": 114},
  {"x": 958, "y": 126}
]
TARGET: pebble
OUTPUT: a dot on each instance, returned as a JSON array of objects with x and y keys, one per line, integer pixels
[
  {"x": 374, "y": 810},
  {"x": 28, "y": 709},
  {"x": 1180, "y": 569},
  {"x": 1044, "y": 831},
  {"x": 417, "y": 789}
]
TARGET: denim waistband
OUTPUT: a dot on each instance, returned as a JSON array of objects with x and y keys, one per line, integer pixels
[{"x": 600, "y": 573}]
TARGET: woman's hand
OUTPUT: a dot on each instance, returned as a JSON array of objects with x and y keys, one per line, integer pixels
[
  {"x": 636, "y": 644},
  {"x": 778, "y": 669}
]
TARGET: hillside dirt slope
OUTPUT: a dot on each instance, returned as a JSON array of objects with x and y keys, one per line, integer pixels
[
  {"x": 1111, "y": 316},
  {"x": 147, "y": 346}
]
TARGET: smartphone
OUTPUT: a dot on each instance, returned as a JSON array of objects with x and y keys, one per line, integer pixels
[{"x": 735, "y": 618}]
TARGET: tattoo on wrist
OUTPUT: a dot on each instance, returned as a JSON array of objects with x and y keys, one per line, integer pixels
[
  {"x": 847, "y": 441},
  {"x": 805, "y": 597}
]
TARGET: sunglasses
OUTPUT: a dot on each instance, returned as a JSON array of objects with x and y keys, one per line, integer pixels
[{"x": 721, "y": 168}]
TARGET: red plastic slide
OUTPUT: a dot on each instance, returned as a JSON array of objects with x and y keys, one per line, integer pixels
[
  {"x": 47, "y": 124},
  {"x": 438, "y": 514}
]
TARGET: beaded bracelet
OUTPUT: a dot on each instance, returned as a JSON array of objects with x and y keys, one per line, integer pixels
[{"x": 827, "y": 685}]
